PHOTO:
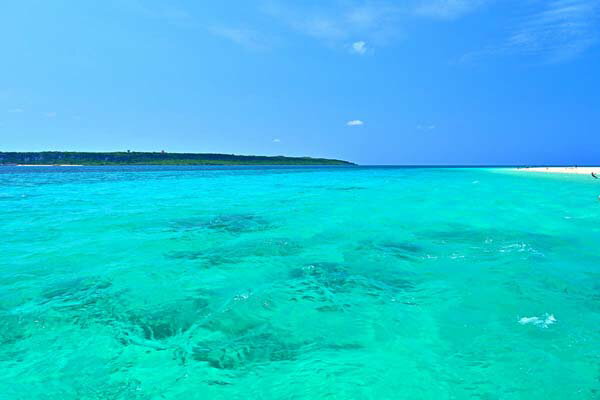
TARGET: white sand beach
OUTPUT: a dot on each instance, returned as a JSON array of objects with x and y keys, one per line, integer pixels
[{"x": 564, "y": 170}]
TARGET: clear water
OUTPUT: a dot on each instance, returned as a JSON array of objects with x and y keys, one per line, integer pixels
[{"x": 298, "y": 283}]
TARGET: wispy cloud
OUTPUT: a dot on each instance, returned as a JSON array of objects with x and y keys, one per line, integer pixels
[
  {"x": 50, "y": 114},
  {"x": 16, "y": 110},
  {"x": 447, "y": 9},
  {"x": 169, "y": 13},
  {"x": 276, "y": 140},
  {"x": 359, "y": 47},
  {"x": 182, "y": 18},
  {"x": 377, "y": 22},
  {"x": 247, "y": 38},
  {"x": 426, "y": 127},
  {"x": 335, "y": 24},
  {"x": 355, "y": 122},
  {"x": 560, "y": 31}
]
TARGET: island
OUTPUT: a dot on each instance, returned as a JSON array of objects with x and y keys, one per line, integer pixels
[{"x": 69, "y": 158}]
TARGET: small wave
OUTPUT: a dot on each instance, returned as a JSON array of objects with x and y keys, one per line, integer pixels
[{"x": 545, "y": 321}]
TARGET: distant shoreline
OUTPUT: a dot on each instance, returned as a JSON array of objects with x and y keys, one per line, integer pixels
[
  {"x": 74, "y": 158},
  {"x": 49, "y": 165},
  {"x": 563, "y": 170},
  {"x": 175, "y": 165}
]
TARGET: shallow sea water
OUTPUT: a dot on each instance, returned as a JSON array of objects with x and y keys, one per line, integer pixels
[{"x": 298, "y": 283}]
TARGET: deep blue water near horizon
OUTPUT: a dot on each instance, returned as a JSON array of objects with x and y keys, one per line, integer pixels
[{"x": 298, "y": 283}]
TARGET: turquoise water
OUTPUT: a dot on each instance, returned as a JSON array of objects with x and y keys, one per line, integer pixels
[{"x": 298, "y": 283}]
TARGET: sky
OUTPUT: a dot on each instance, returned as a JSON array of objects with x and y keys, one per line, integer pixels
[{"x": 480, "y": 82}]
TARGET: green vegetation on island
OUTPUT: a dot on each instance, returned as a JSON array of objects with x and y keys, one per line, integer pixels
[{"x": 154, "y": 158}]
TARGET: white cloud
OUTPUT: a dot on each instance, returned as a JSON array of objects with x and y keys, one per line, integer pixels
[
  {"x": 426, "y": 127},
  {"x": 355, "y": 122},
  {"x": 447, "y": 9},
  {"x": 359, "y": 47},
  {"x": 50, "y": 114},
  {"x": 16, "y": 110},
  {"x": 276, "y": 140}
]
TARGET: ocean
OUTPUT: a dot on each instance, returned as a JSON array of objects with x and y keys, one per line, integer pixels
[{"x": 298, "y": 283}]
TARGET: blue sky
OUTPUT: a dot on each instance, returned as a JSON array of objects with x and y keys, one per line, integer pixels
[{"x": 375, "y": 82}]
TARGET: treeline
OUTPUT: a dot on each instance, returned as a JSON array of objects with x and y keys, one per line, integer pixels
[{"x": 154, "y": 158}]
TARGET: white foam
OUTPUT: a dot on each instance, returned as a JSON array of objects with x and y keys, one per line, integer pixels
[{"x": 544, "y": 321}]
